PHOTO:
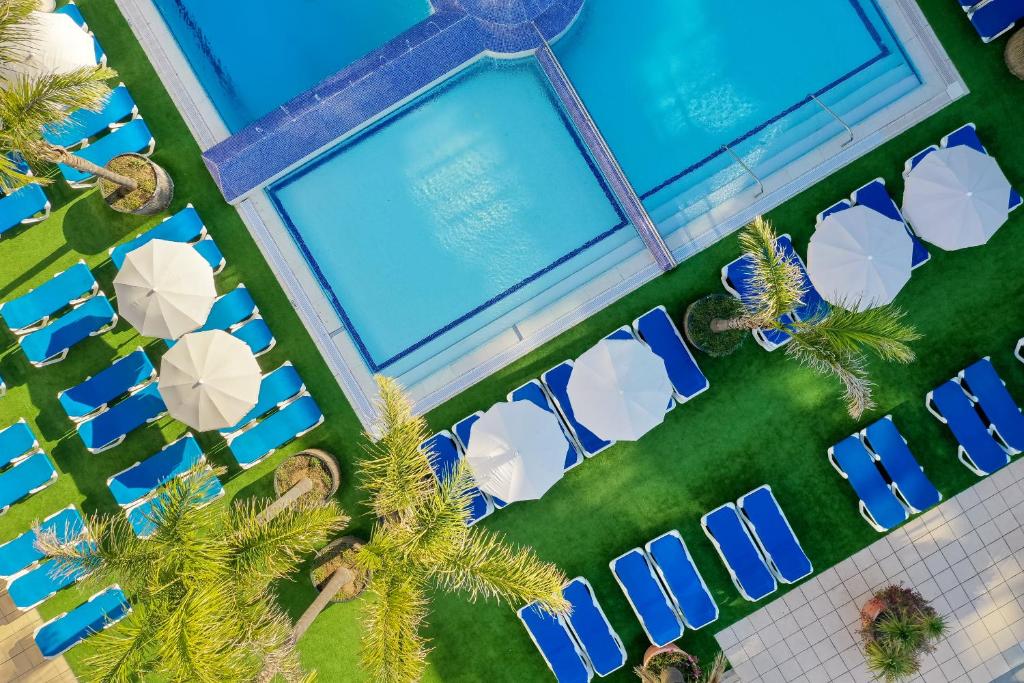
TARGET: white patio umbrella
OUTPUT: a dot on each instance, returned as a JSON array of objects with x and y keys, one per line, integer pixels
[
  {"x": 956, "y": 198},
  {"x": 619, "y": 389},
  {"x": 859, "y": 258},
  {"x": 517, "y": 451},
  {"x": 209, "y": 380},
  {"x": 55, "y": 44},
  {"x": 165, "y": 289}
]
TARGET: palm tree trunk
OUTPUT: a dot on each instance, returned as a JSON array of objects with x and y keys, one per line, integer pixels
[
  {"x": 60, "y": 155},
  {"x": 720, "y": 325},
  {"x": 303, "y": 486},
  {"x": 339, "y": 578}
]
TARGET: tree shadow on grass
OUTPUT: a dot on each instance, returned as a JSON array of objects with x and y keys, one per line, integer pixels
[{"x": 91, "y": 227}]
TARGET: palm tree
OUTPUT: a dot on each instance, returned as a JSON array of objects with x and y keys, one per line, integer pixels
[
  {"x": 833, "y": 341},
  {"x": 421, "y": 542},
  {"x": 27, "y": 104},
  {"x": 200, "y": 586}
]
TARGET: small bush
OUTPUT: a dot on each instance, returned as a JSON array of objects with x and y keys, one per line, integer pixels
[
  {"x": 905, "y": 628},
  {"x": 683, "y": 662},
  {"x": 138, "y": 169},
  {"x": 698, "y": 324}
]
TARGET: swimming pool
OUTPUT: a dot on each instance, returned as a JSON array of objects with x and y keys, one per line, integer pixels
[{"x": 444, "y": 189}]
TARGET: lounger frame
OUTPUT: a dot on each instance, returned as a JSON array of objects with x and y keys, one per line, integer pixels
[
  {"x": 106, "y": 624},
  {"x": 993, "y": 430},
  {"x": 565, "y": 420},
  {"x": 231, "y": 437},
  {"x": 657, "y": 582},
  {"x": 9, "y": 577},
  {"x": 861, "y": 505},
  {"x": 61, "y": 355},
  {"x": 747, "y": 522},
  {"x": 611, "y": 629},
  {"x": 878, "y": 458},
  {"x": 37, "y": 489},
  {"x": 679, "y": 398},
  {"x": 572, "y": 638},
  {"x": 664, "y": 583},
  {"x": 718, "y": 548},
  {"x": 99, "y": 409},
  {"x": 961, "y": 453},
  {"x": 44, "y": 321}
]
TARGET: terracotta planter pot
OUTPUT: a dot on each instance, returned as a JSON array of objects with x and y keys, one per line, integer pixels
[
  {"x": 329, "y": 464},
  {"x": 331, "y": 550},
  {"x": 162, "y": 195},
  {"x": 654, "y": 650},
  {"x": 871, "y": 610}
]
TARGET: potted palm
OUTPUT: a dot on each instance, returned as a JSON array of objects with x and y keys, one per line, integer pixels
[
  {"x": 834, "y": 342},
  {"x": 31, "y": 102},
  {"x": 897, "y": 626},
  {"x": 669, "y": 664}
]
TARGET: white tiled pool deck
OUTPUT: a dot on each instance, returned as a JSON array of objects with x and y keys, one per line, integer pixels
[{"x": 965, "y": 555}]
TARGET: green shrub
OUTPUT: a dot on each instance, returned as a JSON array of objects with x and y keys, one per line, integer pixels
[{"x": 698, "y": 324}]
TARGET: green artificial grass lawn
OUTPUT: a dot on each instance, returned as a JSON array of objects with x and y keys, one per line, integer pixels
[{"x": 764, "y": 419}]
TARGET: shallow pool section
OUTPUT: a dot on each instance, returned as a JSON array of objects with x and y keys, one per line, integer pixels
[
  {"x": 473, "y": 200},
  {"x": 251, "y": 57}
]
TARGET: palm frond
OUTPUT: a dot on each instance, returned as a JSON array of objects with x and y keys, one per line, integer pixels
[
  {"x": 123, "y": 653},
  {"x": 776, "y": 283},
  {"x": 438, "y": 527},
  {"x": 488, "y": 566},
  {"x": 821, "y": 355},
  {"x": 396, "y": 474},
  {"x": 881, "y": 330},
  {"x": 16, "y": 34},
  {"x": 393, "y": 649}
]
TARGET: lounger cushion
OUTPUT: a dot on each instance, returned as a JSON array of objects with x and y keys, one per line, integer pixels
[
  {"x": 276, "y": 387},
  {"x": 555, "y": 643},
  {"x": 899, "y": 463},
  {"x": 16, "y": 441},
  {"x": 594, "y": 633},
  {"x": 991, "y": 19},
  {"x": 141, "y": 479},
  {"x": 256, "y": 333},
  {"x": 83, "y": 123},
  {"x": 739, "y": 553},
  {"x": 22, "y": 204},
  {"x": 20, "y": 552},
  {"x": 33, "y": 473},
  {"x": 557, "y": 382},
  {"x": 184, "y": 226},
  {"x": 39, "y": 583},
  {"x": 658, "y": 331},
  {"x": 996, "y": 403},
  {"x": 122, "y": 376},
  {"x": 867, "y": 482},
  {"x": 63, "y": 632},
  {"x": 963, "y": 420},
  {"x": 61, "y": 334},
  {"x": 122, "y": 418},
  {"x": 647, "y": 597},
  {"x": 49, "y": 297},
  {"x": 769, "y": 525},
  {"x": 260, "y": 440},
  {"x": 685, "y": 585}
]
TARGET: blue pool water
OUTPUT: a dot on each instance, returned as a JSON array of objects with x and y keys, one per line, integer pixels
[
  {"x": 475, "y": 204},
  {"x": 253, "y": 56},
  {"x": 470, "y": 201}
]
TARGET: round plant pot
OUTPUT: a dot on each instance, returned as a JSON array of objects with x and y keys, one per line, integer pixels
[
  {"x": 871, "y": 610},
  {"x": 324, "y": 459},
  {"x": 697, "y": 325},
  {"x": 139, "y": 202},
  {"x": 330, "y": 552},
  {"x": 655, "y": 650}
]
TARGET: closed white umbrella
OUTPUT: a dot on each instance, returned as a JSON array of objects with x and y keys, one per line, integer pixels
[
  {"x": 956, "y": 198},
  {"x": 165, "y": 289},
  {"x": 209, "y": 380},
  {"x": 859, "y": 258},
  {"x": 619, "y": 389},
  {"x": 517, "y": 451},
  {"x": 54, "y": 44}
]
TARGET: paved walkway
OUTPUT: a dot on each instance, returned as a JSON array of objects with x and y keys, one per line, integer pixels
[
  {"x": 20, "y": 660},
  {"x": 965, "y": 556}
]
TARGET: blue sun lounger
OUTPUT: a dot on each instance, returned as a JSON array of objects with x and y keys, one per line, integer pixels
[
  {"x": 142, "y": 515},
  {"x": 134, "y": 136},
  {"x": 994, "y": 18},
  {"x": 977, "y": 449},
  {"x": 534, "y": 393},
  {"x": 71, "y": 9},
  {"x": 690, "y": 595},
  {"x": 557, "y": 645},
  {"x": 110, "y": 427},
  {"x": 229, "y": 311},
  {"x": 462, "y": 430},
  {"x": 556, "y": 382},
  {"x": 20, "y": 552},
  {"x": 875, "y": 196},
  {"x": 40, "y": 582},
  {"x": 444, "y": 455},
  {"x": 26, "y": 205},
  {"x": 84, "y": 124},
  {"x": 185, "y": 226},
  {"x": 92, "y": 395},
  {"x": 142, "y": 478},
  {"x": 656, "y": 329},
  {"x": 774, "y": 535},
  {"x": 890, "y": 450},
  {"x": 34, "y": 308},
  {"x": 294, "y": 419},
  {"x": 276, "y": 388},
  {"x": 731, "y": 539},
  {"x": 635, "y": 576},
  {"x": 878, "y": 504},
  {"x": 66, "y": 630},
  {"x": 50, "y": 344},
  {"x": 15, "y": 441},
  {"x": 256, "y": 333},
  {"x": 986, "y": 387},
  {"x": 601, "y": 645},
  {"x": 28, "y": 475}
]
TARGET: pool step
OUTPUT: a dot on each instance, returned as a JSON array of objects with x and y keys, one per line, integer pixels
[{"x": 801, "y": 132}]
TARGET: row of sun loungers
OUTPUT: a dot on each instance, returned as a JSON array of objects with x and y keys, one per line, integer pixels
[
  {"x": 655, "y": 328},
  {"x": 578, "y": 645},
  {"x": 993, "y": 18}
]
